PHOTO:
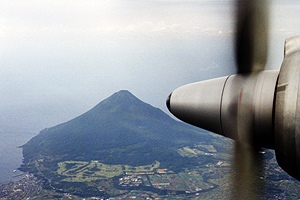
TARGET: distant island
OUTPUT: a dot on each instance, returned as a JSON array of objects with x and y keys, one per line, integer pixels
[{"x": 124, "y": 146}]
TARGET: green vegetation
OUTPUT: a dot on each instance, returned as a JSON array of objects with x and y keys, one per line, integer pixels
[
  {"x": 188, "y": 181},
  {"x": 196, "y": 150},
  {"x": 121, "y": 130},
  {"x": 80, "y": 171},
  {"x": 124, "y": 146}
]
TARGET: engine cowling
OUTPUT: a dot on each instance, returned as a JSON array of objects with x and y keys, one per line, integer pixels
[{"x": 287, "y": 110}]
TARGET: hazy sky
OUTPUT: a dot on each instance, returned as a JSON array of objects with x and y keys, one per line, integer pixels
[{"x": 59, "y": 58}]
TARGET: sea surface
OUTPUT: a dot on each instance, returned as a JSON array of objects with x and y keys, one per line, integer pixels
[{"x": 10, "y": 155}]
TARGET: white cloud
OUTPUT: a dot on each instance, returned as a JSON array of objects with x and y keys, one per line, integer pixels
[
  {"x": 67, "y": 19},
  {"x": 73, "y": 49}
]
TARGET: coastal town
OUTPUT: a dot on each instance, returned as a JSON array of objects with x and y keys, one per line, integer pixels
[
  {"x": 29, "y": 187},
  {"x": 22, "y": 189},
  {"x": 208, "y": 181}
]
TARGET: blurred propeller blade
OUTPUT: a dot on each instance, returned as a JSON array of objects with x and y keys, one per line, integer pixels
[
  {"x": 247, "y": 163},
  {"x": 238, "y": 106},
  {"x": 246, "y": 160},
  {"x": 251, "y": 56},
  {"x": 252, "y": 35}
]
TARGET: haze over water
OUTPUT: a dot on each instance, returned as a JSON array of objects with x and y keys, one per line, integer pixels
[
  {"x": 11, "y": 156},
  {"x": 60, "y": 58}
]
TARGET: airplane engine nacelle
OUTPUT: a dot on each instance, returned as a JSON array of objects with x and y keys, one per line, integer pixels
[
  {"x": 272, "y": 101},
  {"x": 287, "y": 110},
  {"x": 213, "y": 104}
]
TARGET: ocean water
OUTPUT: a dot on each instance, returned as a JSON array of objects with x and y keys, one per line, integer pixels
[{"x": 10, "y": 155}]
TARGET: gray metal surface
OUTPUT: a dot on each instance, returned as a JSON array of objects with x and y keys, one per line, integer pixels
[
  {"x": 258, "y": 92},
  {"x": 287, "y": 110},
  {"x": 213, "y": 104}
]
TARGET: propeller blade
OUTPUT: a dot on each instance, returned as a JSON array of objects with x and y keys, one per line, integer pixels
[
  {"x": 252, "y": 35},
  {"x": 247, "y": 166},
  {"x": 239, "y": 106},
  {"x": 251, "y": 57},
  {"x": 246, "y": 160}
]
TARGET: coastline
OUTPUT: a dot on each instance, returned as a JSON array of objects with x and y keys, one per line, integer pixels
[{"x": 11, "y": 154}]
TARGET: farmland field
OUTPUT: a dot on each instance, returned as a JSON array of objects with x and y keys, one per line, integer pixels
[{"x": 80, "y": 171}]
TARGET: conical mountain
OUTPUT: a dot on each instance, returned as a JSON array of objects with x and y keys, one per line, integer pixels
[{"x": 119, "y": 130}]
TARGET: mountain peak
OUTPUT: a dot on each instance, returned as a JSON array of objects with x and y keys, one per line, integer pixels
[
  {"x": 123, "y": 95},
  {"x": 119, "y": 100},
  {"x": 112, "y": 131}
]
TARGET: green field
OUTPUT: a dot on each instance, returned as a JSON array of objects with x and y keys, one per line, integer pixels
[
  {"x": 190, "y": 181},
  {"x": 196, "y": 150},
  {"x": 80, "y": 171}
]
